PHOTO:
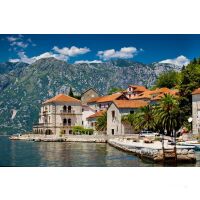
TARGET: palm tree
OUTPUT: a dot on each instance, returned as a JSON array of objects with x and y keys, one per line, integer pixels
[
  {"x": 131, "y": 119},
  {"x": 146, "y": 117},
  {"x": 168, "y": 113},
  {"x": 101, "y": 124}
]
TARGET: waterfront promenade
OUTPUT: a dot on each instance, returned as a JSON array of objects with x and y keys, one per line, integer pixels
[{"x": 154, "y": 151}]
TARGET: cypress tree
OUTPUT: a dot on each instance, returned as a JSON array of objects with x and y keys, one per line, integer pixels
[{"x": 71, "y": 94}]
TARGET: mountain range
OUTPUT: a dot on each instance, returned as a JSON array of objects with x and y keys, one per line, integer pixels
[{"x": 23, "y": 86}]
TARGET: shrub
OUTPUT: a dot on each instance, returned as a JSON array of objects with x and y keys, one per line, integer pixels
[{"x": 79, "y": 130}]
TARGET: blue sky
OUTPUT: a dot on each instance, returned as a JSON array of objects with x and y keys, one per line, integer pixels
[{"x": 178, "y": 49}]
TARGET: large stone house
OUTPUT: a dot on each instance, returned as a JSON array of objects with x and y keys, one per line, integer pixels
[
  {"x": 88, "y": 94},
  {"x": 196, "y": 111},
  {"x": 58, "y": 115},
  {"x": 116, "y": 111}
]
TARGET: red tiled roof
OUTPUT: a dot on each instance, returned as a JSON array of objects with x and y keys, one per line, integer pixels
[
  {"x": 62, "y": 98},
  {"x": 197, "y": 91},
  {"x": 138, "y": 88},
  {"x": 130, "y": 103},
  {"x": 109, "y": 98},
  {"x": 97, "y": 114},
  {"x": 93, "y": 100}
]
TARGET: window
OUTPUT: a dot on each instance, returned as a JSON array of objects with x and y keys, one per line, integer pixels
[
  {"x": 132, "y": 111},
  {"x": 113, "y": 115},
  {"x": 99, "y": 105},
  {"x": 64, "y": 108},
  {"x": 113, "y": 131},
  {"x": 69, "y": 122},
  {"x": 70, "y": 132},
  {"x": 49, "y": 119},
  {"x": 69, "y": 109},
  {"x": 64, "y": 121}
]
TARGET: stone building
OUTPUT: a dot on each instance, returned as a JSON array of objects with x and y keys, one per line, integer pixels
[
  {"x": 92, "y": 120},
  {"x": 102, "y": 103},
  {"x": 88, "y": 94},
  {"x": 86, "y": 112},
  {"x": 116, "y": 111},
  {"x": 58, "y": 115},
  {"x": 196, "y": 111}
]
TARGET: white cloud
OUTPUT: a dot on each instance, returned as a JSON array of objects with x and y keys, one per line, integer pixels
[
  {"x": 12, "y": 39},
  {"x": 19, "y": 44},
  {"x": 88, "y": 61},
  {"x": 60, "y": 54},
  {"x": 73, "y": 51},
  {"x": 180, "y": 61},
  {"x": 125, "y": 52},
  {"x": 24, "y": 58}
]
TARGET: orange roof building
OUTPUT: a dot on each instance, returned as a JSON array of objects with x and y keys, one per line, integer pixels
[
  {"x": 197, "y": 91},
  {"x": 138, "y": 88},
  {"x": 97, "y": 114},
  {"x": 130, "y": 103},
  {"x": 62, "y": 98}
]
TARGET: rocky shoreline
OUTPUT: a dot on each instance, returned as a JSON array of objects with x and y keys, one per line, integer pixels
[
  {"x": 155, "y": 152},
  {"x": 67, "y": 138}
]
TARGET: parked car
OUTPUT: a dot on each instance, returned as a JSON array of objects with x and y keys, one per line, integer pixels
[{"x": 146, "y": 133}]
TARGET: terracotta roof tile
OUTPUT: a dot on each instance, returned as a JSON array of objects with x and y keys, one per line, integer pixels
[
  {"x": 130, "y": 103},
  {"x": 138, "y": 88},
  {"x": 62, "y": 98},
  {"x": 109, "y": 98},
  {"x": 197, "y": 91},
  {"x": 93, "y": 100},
  {"x": 97, "y": 114}
]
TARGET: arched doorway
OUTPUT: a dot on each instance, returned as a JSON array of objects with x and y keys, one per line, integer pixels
[
  {"x": 70, "y": 132},
  {"x": 48, "y": 132}
]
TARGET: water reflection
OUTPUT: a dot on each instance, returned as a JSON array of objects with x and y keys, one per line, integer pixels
[{"x": 22, "y": 153}]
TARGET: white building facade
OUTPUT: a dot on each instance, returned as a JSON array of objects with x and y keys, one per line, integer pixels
[
  {"x": 59, "y": 115},
  {"x": 196, "y": 111},
  {"x": 116, "y": 111}
]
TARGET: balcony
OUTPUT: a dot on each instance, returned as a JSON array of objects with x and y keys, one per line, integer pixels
[
  {"x": 67, "y": 112},
  {"x": 45, "y": 112},
  {"x": 66, "y": 124}
]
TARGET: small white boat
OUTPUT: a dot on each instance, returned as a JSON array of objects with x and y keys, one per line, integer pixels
[{"x": 193, "y": 143}]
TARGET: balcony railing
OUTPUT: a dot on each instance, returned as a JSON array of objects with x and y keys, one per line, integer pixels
[
  {"x": 67, "y": 111},
  {"x": 66, "y": 124}
]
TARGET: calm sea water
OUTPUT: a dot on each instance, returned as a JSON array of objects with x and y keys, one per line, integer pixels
[{"x": 61, "y": 154}]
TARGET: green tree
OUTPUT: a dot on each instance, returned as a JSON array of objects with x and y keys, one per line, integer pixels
[
  {"x": 101, "y": 124},
  {"x": 142, "y": 119},
  {"x": 146, "y": 117},
  {"x": 168, "y": 113},
  {"x": 189, "y": 82},
  {"x": 71, "y": 94},
  {"x": 168, "y": 79}
]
